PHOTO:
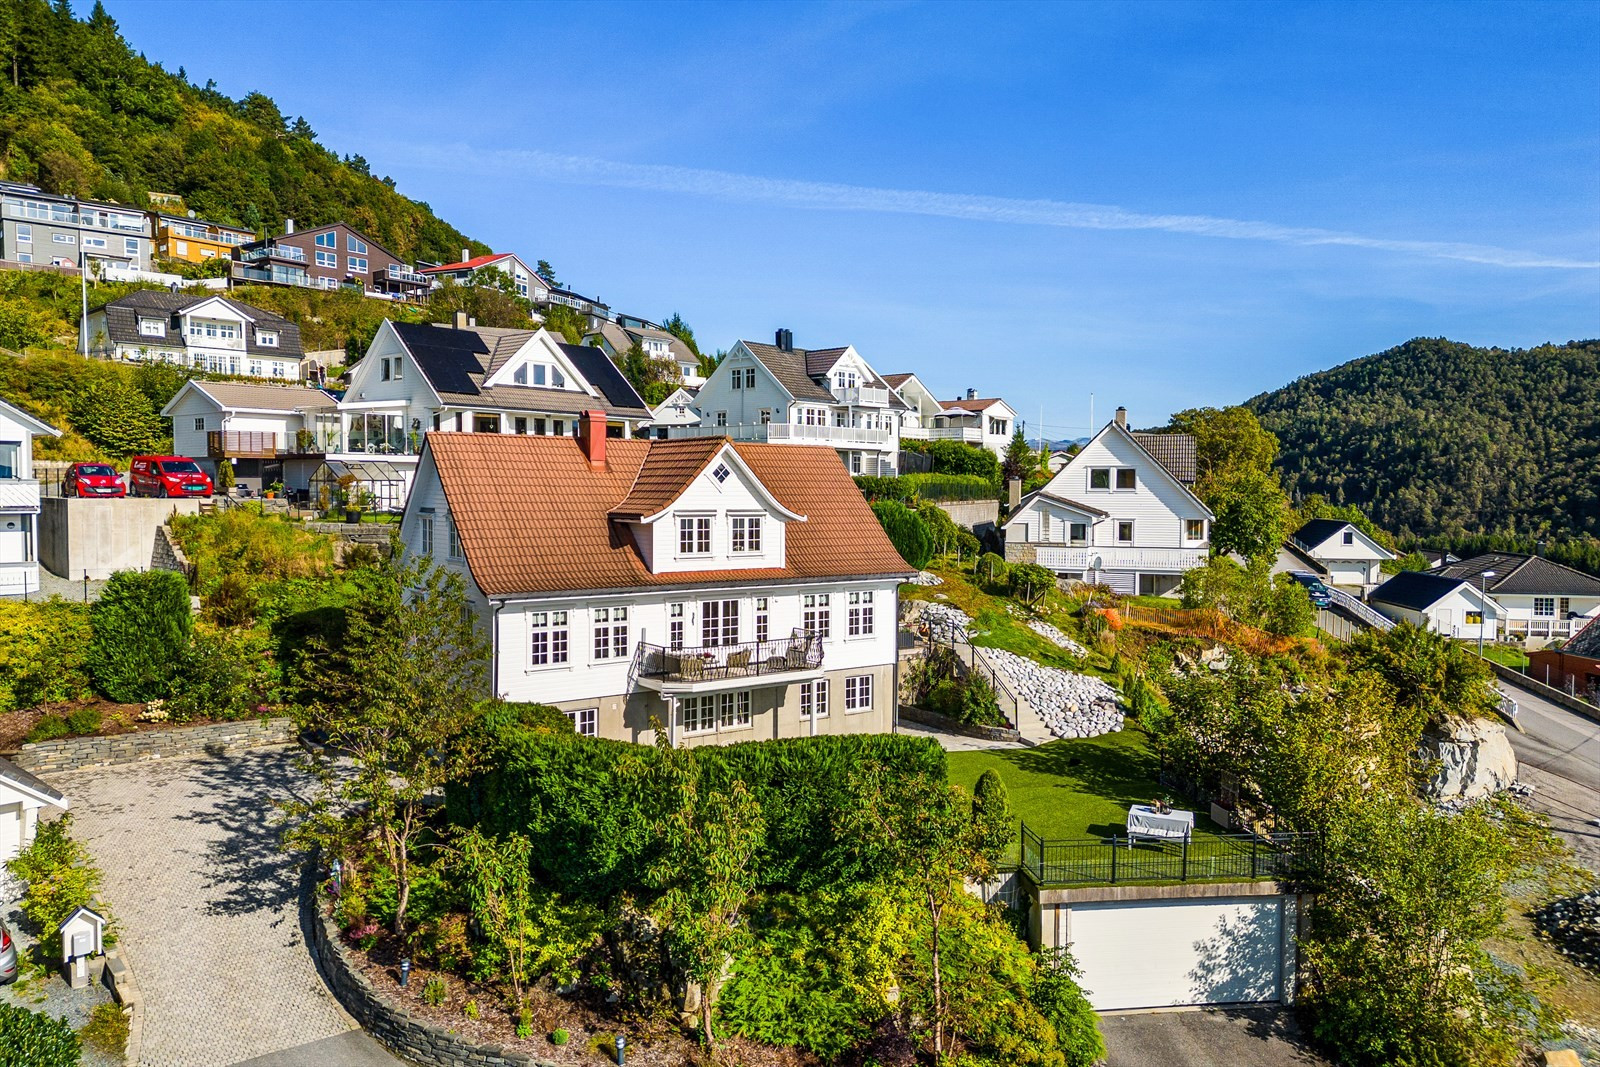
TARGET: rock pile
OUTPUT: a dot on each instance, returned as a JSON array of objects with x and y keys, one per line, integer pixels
[
  {"x": 1573, "y": 925},
  {"x": 927, "y": 578},
  {"x": 1071, "y": 705},
  {"x": 945, "y": 621},
  {"x": 1056, "y": 637}
]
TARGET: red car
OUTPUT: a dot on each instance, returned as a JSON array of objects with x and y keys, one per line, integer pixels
[
  {"x": 167, "y": 476},
  {"x": 92, "y": 479}
]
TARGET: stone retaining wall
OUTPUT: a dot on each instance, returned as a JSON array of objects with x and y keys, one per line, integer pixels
[
  {"x": 167, "y": 555},
  {"x": 924, "y": 717},
  {"x": 372, "y": 533},
  {"x": 73, "y": 753},
  {"x": 414, "y": 1040}
]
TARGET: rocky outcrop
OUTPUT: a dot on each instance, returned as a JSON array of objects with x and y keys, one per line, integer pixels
[{"x": 1472, "y": 758}]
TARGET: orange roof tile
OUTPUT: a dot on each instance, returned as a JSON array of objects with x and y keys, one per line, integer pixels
[{"x": 534, "y": 518}]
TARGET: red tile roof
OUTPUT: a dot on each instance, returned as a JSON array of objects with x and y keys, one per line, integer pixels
[
  {"x": 468, "y": 264},
  {"x": 970, "y": 405},
  {"x": 534, "y": 518}
]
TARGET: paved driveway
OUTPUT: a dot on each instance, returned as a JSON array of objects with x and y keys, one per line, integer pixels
[
  {"x": 1245, "y": 1037},
  {"x": 209, "y": 910}
]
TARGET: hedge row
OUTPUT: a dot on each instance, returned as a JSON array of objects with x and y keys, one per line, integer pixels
[
  {"x": 934, "y": 487},
  {"x": 589, "y": 805}
]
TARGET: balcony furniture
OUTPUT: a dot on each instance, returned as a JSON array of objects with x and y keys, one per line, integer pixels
[
  {"x": 737, "y": 661},
  {"x": 1145, "y": 821},
  {"x": 691, "y": 667}
]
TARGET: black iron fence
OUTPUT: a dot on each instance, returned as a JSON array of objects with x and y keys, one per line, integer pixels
[{"x": 1118, "y": 860}]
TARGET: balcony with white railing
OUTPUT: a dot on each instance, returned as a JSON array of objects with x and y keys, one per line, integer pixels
[
  {"x": 62, "y": 215},
  {"x": 862, "y": 395},
  {"x": 287, "y": 252},
  {"x": 970, "y": 434},
  {"x": 795, "y": 434},
  {"x": 19, "y": 494},
  {"x": 398, "y": 273},
  {"x": 1123, "y": 558}
]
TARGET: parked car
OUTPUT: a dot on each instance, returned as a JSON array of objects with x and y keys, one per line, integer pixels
[
  {"x": 1314, "y": 588},
  {"x": 168, "y": 476},
  {"x": 8, "y": 956},
  {"x": 92, "y": 479}
]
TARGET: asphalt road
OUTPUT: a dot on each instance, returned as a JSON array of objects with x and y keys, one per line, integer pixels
[
  {"x": 1558, "y": 752},
  {"x": 1246, "y": 1037}
]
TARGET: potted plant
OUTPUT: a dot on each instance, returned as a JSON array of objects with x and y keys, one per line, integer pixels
[
  {"x": 305, "y": 440},
  {"x": 273, "y": 490}
]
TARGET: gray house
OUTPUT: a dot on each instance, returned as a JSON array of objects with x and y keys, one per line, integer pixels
[{"x": 41, "y": 228}]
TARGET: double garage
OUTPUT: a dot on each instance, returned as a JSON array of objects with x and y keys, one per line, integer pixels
[{"x": 1143, "y": 947}]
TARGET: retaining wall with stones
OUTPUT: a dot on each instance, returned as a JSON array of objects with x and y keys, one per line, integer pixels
[
  {"x": 924, "y": 717},
  {"x": 74, "y": 753},
  {"x": 414, "y": 1040}
]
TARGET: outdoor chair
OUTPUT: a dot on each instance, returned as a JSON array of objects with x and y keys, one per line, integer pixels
[
  {"x": 738, "y": 661},
  {"x": 691, "y": 667}
]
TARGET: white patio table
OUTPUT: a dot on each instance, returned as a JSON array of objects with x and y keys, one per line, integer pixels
[{"x": 1145, "y": 821}]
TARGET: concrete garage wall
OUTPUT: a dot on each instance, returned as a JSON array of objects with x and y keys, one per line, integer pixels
[{"x": 102, "y": 536}]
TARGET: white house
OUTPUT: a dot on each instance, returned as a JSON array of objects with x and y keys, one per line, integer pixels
[
  {"x": 921, "y": 404},
  {"x": 22, "y": 795},
  {"x": 1450, "y": 606},
  {"x": 786, "y": 395},
  {"x": 1120, "y": 512},
  {"x": 209, "y": 333},
  {"x": 616, "y": 338},
  {"x": 675, "y": 410},
  {"x": 985, "y": 422},
  {"x": 729, "y": 591},
  {"x": 1350, "y": 557},
  {"x": 1541, "y": 599},
  {"x": 269, "y": 433},
  {"x": 19, "y": 500},
  {"x": 529, "y": 285}
]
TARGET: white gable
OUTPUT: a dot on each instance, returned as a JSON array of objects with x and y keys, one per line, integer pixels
[
  {"x": 541, "y": 350},
  {"x": 726, "y": 493},
  {"x": 1361, "y": 547},
  {"x": 216, "y": 308}
]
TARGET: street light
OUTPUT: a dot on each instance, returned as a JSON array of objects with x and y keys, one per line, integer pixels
[{"x": 1483, "y": 605}]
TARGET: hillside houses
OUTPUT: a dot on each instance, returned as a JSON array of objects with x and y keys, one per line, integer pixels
[{"x": 208, "y": 333}]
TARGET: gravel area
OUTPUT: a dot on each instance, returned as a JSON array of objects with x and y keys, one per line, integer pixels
[{"x": 43, "y": 989}]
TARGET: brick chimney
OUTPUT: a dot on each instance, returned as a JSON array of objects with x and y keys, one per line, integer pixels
[
  {"x": 592, "y": 438},
  {"x": 1122, "y": 416}
]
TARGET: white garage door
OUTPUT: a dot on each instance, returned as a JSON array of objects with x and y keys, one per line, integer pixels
[{"x": 1165, "y": 953}]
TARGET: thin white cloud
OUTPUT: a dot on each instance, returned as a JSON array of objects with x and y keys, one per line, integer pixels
[{"x": 725, "y": 185}]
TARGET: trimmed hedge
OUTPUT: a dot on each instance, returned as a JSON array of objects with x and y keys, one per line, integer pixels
[
  {"x": 588, "y": 804},
  {"x": 946, "y": 487},
  {"x": 140, "y": 631},
  {"x": 29, "y": 1039}
]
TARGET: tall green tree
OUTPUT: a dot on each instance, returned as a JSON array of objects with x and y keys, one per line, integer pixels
[
  {"x": 117, "y": 418},
  {"x": 1020, "y": 461},
  {"x": 1252, "y": 514},
  {"x": 680, "y": 329},
  {"x": 1228, "y": 442},
  {"x": 140, "y": 628}
]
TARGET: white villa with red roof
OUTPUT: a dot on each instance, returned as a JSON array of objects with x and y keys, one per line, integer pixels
[
  {"x": 722, "y": 591},
  {"x": 528, "y": 283}
]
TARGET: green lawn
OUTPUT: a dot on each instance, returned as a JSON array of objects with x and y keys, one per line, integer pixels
[
  {"x": 1506, "y": 655},
  {"x": 1074, "y": 788}
]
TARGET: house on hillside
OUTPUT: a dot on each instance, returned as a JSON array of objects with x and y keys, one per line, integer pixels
[
  {"x": 268, "y": 433},
  {"x": 727, "y": 591},
  {"x": 418, "y": 377},
  {"x": 1119, "y": 513},
  {"x": 1574, "y": 667},
  {"x": 594, "y": 312},
  {"x": 334, "y": 256},
  {"x": 1542, "y": 599},
  {"x": 205, "y": 332},
  {"x": 1350, "y": 557},
  {"x": 193, "y": 240},
  {"x": 19, "y": 500},
  {"x": 615, "y": 340},
  {"x": 1450, "y": 606},
  {"x": 41, "y": 229},
  {"x": 921, "y": 404},
  {"x": 528, "y": 284},
  {"x": 675, "y": 410},
  {"x": 987, "y": 423},
  {"x": 786, "y": 395}
]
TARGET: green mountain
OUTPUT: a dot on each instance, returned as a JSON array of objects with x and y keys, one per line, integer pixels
[
  {"x": 1451, "y": 443},
  {"x": 82, "y": 114}
]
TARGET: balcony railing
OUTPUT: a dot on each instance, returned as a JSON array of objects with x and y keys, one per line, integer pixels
[
  {"x": 289, "y": 252},
  {"x": 858, "y": 436},
  {"x": 800, "y": 651},
  {"x": 872, "y": 395},
  {"x": 275, "y": 276},
  {"x": 258, "y": 444},
  {"x": 1202, "y": 858},
  {"x": 1093, "y": 558},
  {"x": 62, "y": 216},
  {"x": 969, "y": 434},
  {"x": 405, "y": 274},
  {"x": 19, "y": 494}
]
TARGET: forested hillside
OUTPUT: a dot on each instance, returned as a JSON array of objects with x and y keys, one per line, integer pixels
[
  {"x": 82, "y": 114},
  {"x": 1442, "y": 440}
]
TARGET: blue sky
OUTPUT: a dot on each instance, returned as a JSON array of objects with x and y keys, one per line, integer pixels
[{"x": 1165, "y": 206}]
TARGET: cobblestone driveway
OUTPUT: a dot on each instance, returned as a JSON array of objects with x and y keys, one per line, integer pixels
[{"x": 209, "y": 910}]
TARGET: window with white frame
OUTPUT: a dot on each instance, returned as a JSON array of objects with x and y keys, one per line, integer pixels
[
  {"x": 675, "y": 625},
  {"x": 858, "y": 692},
  {"x": 719, "y": 623},
  {"x": 722, "y": 418},
  {"x": 326, "y": 240},
  {"x": 815, "y": 612},
  {"x": 256, "y": 368},
  {"x": 694, "y": 535},
  {"x": 152, "y": 328},
  {"x": 738, "y": 380},
  {"x": 130, "y": 246},
  {"x": 814, "y": 699},
  {"x": 698, "y": 715},
  {"x": 610, "y": 633},
  {"x": 722, "y": 473},
  {"x": 1349, "y": 537},
  {"x": 1544, "y": 606},
  {"x": 766, "y": 416},
  {"x": 425, "y": 533},
  {"x": 860, "y": 614},
  {"x": 1127, "y": 478},
  {"x": 746, "y": 531},
  {"x": 750, "y": 378},
  {"x": 1194, "y": 529},
  {"x": 520, "y": 375},
  {"x": 328, "y": 259},
  {"x": 356, "y": 264},
  {"x": 547, "y": 638},
  {"x": 354, "y": 244},
  {"x": 761, "y": 618},
  {"x": 1564, "y": 607},
  {"x": 585, "y": 721},
  {"x": 25, "y": 234},
  {"x": 1099, "y": 477},
  {"x": 64, "y": 238},
  {"x": 267, "y": 338},
  {"x": 733, "y": 710},
  {"x": 1124, "y": 531},
  {"x": 454, "y": 536},
  {"x": 1078, "y": 533},
  {"x": 94, "y": 242}
]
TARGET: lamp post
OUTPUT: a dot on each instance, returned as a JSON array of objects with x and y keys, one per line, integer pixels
[
  {"x": 1483, "y": 606},
  {"x": 622, "y": 1050}
]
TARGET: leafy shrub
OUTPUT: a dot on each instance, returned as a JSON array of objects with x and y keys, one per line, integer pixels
[
  {"x": 978, "y": 704},
  {"x": 1288, "y": 611},
  {"x": 232, "y": 601},
  {"x": 908, "y": 533},
  {"x": 106, "y": 1030},
  {"x": 43, "y": 653},
  {"x": 224, "y": 674},
  {"x": 444, "y": 942},
  {"x": 1030, "y": 581},
  {"x": 957, "y": 457},
  {"x": 525, "y": 1023},
  {"x": 991, "y": 567},
  {"x": 29, "y": 1039},
  {"x": 49, "y": 728},
  {"x": 941, "y": 527},
  {"x": 140, "y": 629},
  {"x": 82, "y": 721},
  {"x": 435, "y": 990},
  {"x": 947, "y": 487},
  {"x": 471, "y": 1011},
  {"x": 59, "y": 874},
  {"x": 248, "y": 542},
  {"x": 559, "y": 1037},
  {"x": 967, "y": 544},
  {"x": 882, "y": 487},
  {"x": 1060, "y": 1000}
]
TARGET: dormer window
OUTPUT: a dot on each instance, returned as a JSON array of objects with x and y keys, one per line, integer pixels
[
  {"x": 152, "y": 328},
  {"x": 746, "y": 533},
  {"x": 267, "y": 338},
  {"x": 520, "y": 375}
]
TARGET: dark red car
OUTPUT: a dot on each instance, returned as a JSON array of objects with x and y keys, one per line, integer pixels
[
  {"x": 92, "y": 479},
  {"x": 167, "y": 476}
]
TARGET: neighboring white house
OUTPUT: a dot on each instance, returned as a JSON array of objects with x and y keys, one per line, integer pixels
[
  {"x": 614, "y": 339},
  {"x": 1541, "y": 599},
  {"x": 729, "y": 591},
  {"x": 529, "y": 285},
  {"x": 786, "y": 395},
  {"x": 988, "y": 423},
  {"x": 209, "y": 333},
  {"x": 22, "y": 795},
  {"x": 675, "y": 410},
  {"x": 1350, "y": 557},
  {"x": 1450, "y": 606},
  {"x": 268, "y": 433},
  {"x": 1120, "y": 513},
  {"x": 921, "y": 404},
  {"x": 19, "y": 500}
]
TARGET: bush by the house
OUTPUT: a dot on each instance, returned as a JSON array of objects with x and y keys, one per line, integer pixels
[
  {"x": 958, "y": 457},
  {"x": 43, "y": 650},
  {"x": 140, "y": 629},
  {"x": 224, "y": 674},
  {"x": 907, "y": 532},
  {"x": 30, "y": 1039},
  {"x": 59, "y": 874},
  {"x": 948, "y": 487}
]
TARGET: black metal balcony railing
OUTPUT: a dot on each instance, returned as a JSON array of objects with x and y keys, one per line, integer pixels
[
  {"x": 1202, "y": 858},
  {"x": 801, "y": 651}
]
